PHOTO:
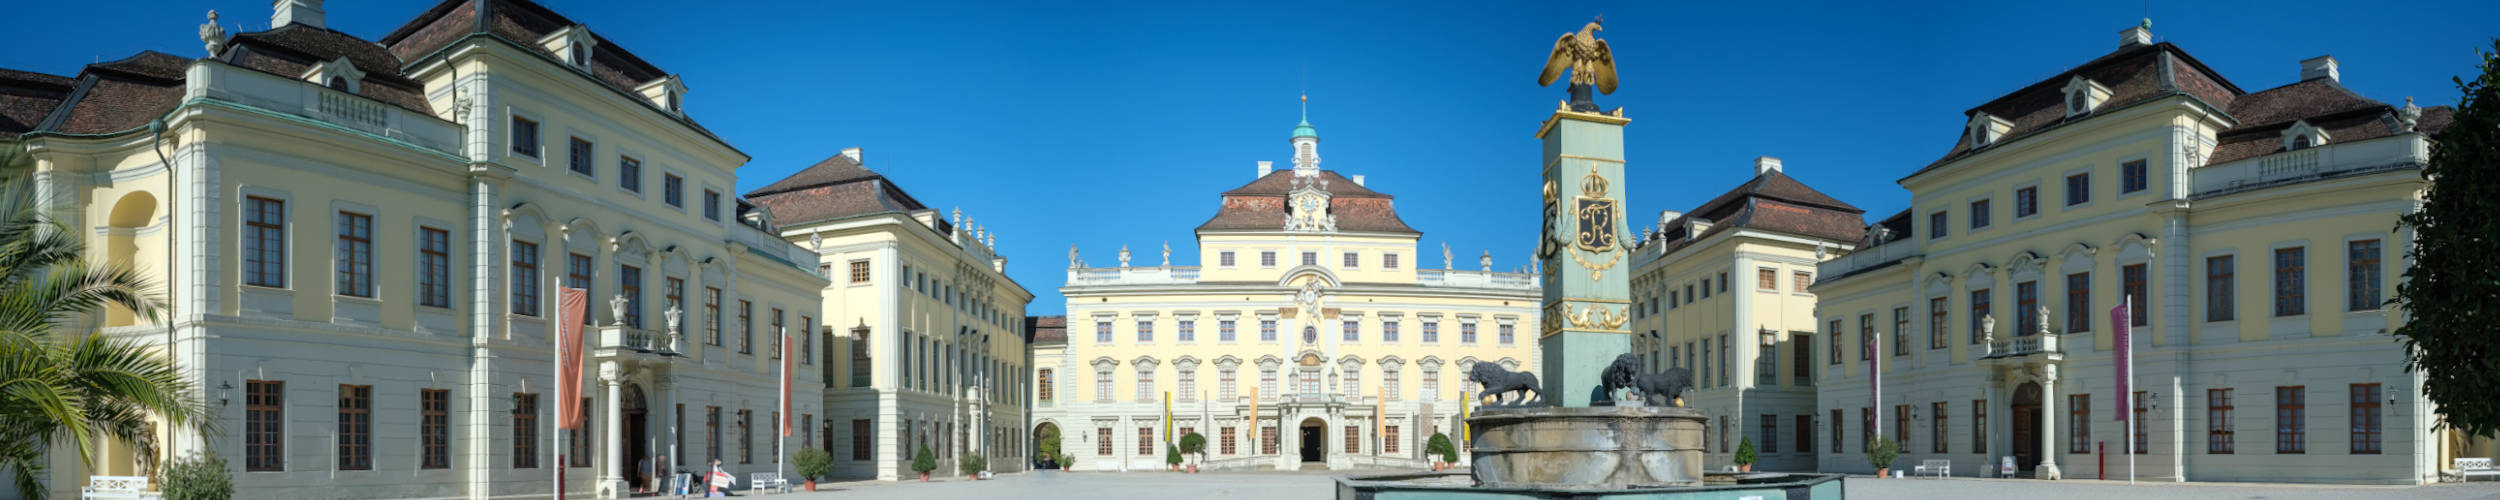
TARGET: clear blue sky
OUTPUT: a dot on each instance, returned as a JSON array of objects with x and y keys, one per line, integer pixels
[{"x": 1106, "y": 123}]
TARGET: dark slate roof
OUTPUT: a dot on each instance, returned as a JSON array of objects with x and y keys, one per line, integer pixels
[
  {"x": 291, "y": 50},
  {"x": 2133, "y": 74},
  {"x": 1260, "y": 205},
  {"x": 27, "y": 97},
  {"x": 835, "y": 188},
  {"x": 2324, "y": 103},
  {"x": 1043, "y": 330},
  {"x": 1770, "y": 201},
  {"x": 120, "y": 95},
  {"x": 524, "y": 23}
]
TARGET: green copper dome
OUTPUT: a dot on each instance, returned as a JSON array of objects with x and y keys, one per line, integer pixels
[{"x": 1305, "y": 130}]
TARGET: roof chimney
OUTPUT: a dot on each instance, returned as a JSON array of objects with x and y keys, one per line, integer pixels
[
  {"x": 2141, "y": 34},
  {"x": 1265, "y": 168},
  {"x": 1358, "y": 180},
  {"x": 1765, "y": 165},
  {"x": 854, "y": 155},
  {"x": 304, "y": 12},
  {"x": 2319, "y": 67}
]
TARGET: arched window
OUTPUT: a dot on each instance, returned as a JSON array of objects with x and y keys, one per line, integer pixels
[
  {"x": 2075, "y": 103},
  {"x": 339, "y": 83},
  {"x": 2301, "y": 142}
]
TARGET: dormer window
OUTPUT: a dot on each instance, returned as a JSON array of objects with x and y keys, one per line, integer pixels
[
  {"x": 2302, "y": 135},
  {"x": 573, "y": 44},
  {"x": 667, "y": 93},
  {"x": 1985, "y": 130},
  {"x": 337, "y": 74},
  {"x": 2083, "y": 95}
]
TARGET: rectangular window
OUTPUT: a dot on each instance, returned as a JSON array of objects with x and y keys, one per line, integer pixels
[
  {"x": 434, "y": 428},
  {"x": 1833, "y": 352},
  {"x": 1804, "y": 281},
  {"x": 629, "y": 173},
  {"x": 2365, "y": 419},
  {"x": 1389, "y": 387},
  {"x": 1431, "y": 390},
  {"x": 1267, "y": 439},
  {"x": 1836, "y": 433},
  {"x": 1145, "y": 384},
  {"x": 2137, "y": 418},
  {"x": 1267, "y": 259},
  {"x": 1145, "y": 330},
  {"x": 1901, "y": 424},
  {"x": 524, "y": 431},
  {"x": 862, "y": 364},
  {"x": 1432, "y": 332},
  {"x": 524, "y": 137},
  {"x": 355, "y": 252},
  {"x": 2079, "y": 302},
  {"x": 1224, "y": 440},
  {"x": 1102, "y": 441},
  {"x": 580, "y": 160},
  {"x": 1102, "y": 332},
  {"x": 1723, "y": 364},
  {"x": 1936, "y": 422},
  {"x": 2134, "y": 288},
  {"x": 1188, "y": 330},
  {"x": 1508, "y": 333},
  {"x": 1802, "y": 359},
  {"x": 859, "y": 271},
  {"x": 1353, "y": 439},
  {"x": 1936, "y": 320},
  {"x": 1045, "y": 381},
  {"x": 1979, "y": 214},
  {"x": 1102, "y": 386},
  {"x": 264, "y": 425},
  {"x": 1388, "y": 261},
  {"x": 524, "y": 278},
  {"x": 2362, "y": 280},
  {"x": 2132, "y": 177},
  {"x": 2078, "y": 189},
  {"x": 577, "y": 275},
  {"x": 1352, "y": 330},
  {"x": 629, "y": 281},
  {"x": 1866, "y": 333},
  {"x": 1866, "y": 427},
  {"x": 1805, "y": 433},
  {"x": 1389, "y": 330},
  {"x": 580, "y": 439},
  {"x": 2290, "y": 272},
  {"x": 711, "y": 430},
  {"x": 1722, "y": 282},
  {"x": 1310, "y": 258},
  {"x": 711, "y": 312},
  {"x": 2218, "y": 421},
  {"x": 1389, "y": 439},
  {"x": 1353, "y": 260},
  {"x": 433, "y": 267},
  {"x": 1146, "y": 441},
  {"x": 1979, "y": 426},
  {"x": 863, "y": 441},
  {"x": 355, "y": 438},
  {"x": 1267, "y": 330},
  {"x": 2079, "y": 423},
  {"x": 1936, "y": 224},
  {"x": 746, "y": 326},
  {"x": 2291, "y": 420},
  {"x": 711, "y": 204},
  {"x": 1900, "y": 331},
  {"x": 673, "y": 190},
  {"x": 1224, "y": 331},
  {"x": 746, "y": 436},
  {"x": 2026, "y": 308},
  {"x": 1979, "y": 312},
  {"x": 1224, "y": 259},
  {"x": 1770, "y": 434},
  {"x": 2219, "y": 306},
  {"x": 1766, "y": 279},
  {"x": 2026, "y": 202},
  {"x": 1188, "y": 386},
  {"x": 777, "y": 333},
  {"x": 1466, "y": 332}
]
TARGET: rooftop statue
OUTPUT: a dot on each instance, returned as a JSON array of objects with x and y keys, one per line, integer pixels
[{"x": 1588, "y": 60}]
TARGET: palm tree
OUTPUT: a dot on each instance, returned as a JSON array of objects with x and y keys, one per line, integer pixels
[{"x": 75, "y": 386}]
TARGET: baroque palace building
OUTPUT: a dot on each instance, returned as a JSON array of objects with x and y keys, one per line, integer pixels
[
  {"x": 362, "y": 243},
  {"x": 1307, "y": 337},
  {"x": 2253, "y": 235},
  {"x": 1724, "y": 291},
  {"x": 927, "y": 343}
]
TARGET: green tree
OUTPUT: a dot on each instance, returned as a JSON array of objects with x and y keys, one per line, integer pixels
[
  {"x": 1881, "y": 452},
  {"x": 1744, "y": 451},
  {"x": 74, "y": 387},
  {"x": 2448, "y": 291},
  {"x": 1439, "y": 446},
  {"x": 812, "y": 463},
  {"x": 1194, "y": 444},
  {"x": 197, "y": 477},
  {"x": 972, "y": 465},
  {"x": 1171, "y": 456},
  {"x": 924, "y": 461},
  {"x": 1047, "y": 441}
]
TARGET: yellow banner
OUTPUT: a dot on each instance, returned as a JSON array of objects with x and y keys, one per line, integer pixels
[
  {"x": 1167, "y": 418},
  {"x": 1463, "y": 404}
]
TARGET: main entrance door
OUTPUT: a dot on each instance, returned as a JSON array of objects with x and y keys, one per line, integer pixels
[
  {"x": 1313, "y": 435},
  {"x": 2027, "y": 425},
  {"x": 637, "y": 435}
]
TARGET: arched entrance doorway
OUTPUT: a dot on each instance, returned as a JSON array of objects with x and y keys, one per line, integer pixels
[
  {"x": 1314, "y": 434},
  {"x": 637, "y": 436},
  {"x": 2027, "y": 429},
  {"x": 1046, "y": 446}
]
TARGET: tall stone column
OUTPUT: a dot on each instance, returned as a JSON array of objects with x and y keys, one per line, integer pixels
[
  {"x": 670, "y": 427},
  {"x": 2048, "y": 423},
  {"x": 1587, "y": 302},
  {"x": 612, "y": 474}
]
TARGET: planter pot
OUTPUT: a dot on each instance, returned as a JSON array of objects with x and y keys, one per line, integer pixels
[
  {"x": 924, "y": 477},
  {"x": 1744, "y": 467},
  {"x": 1882, "y": 472},
  {"x": 811, "y": 485},
  {"x": 1193, "y": 468}
]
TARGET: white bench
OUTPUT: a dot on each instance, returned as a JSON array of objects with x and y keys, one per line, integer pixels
[
  {"x": 136, "y": 487},
  {"x": 1940, "y": 468},
  {"x": 2467, "y": 468},
  {"x": 767, "y": 480}
]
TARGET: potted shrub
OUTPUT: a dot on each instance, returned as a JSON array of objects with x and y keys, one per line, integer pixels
[
  {"x": 923, "y": 462},
  {"x": 812, "y": 463},
  {"x": 972, "y": 466},
  {"x": 1880, "y": 454},
  {"x": 197, "y": 477},
  {"x": 1194, "y": 444},
  {"x": 1744, "y": 455},
  {"x": 1067, "y": 461},
  {"x": 1439, "y": 449},
  {"x": 1172, "y": 457}
]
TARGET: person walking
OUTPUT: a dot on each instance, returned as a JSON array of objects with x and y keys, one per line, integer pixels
[{"x": 720, "y": 481}]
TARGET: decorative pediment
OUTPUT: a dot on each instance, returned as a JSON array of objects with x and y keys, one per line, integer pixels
[
  {"x": 572, "y": 44},
  {"x": 1270, "y": 361},
  {"x": 2024, "y": 263},
  {"x": 1227, "y": 362},
  {"x": 1105, "y": 363},
  {"x": 1147, "y": 362},
  {"x": 2135, "y": 247},
  {"x": 1307, "y": 207},
  {"x": 1979, "y": 271}
]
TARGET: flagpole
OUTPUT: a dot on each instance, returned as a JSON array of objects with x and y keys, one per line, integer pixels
[{"x": 556, "y": 363}]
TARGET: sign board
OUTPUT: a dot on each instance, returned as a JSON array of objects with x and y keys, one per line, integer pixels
[{"x": 2007, "y": 467}]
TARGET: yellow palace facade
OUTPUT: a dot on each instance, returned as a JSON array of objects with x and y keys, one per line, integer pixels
[{"x": 1307, "y": 338}]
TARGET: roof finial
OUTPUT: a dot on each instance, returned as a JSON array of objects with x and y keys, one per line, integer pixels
[{"x": 1306, "y": 107}]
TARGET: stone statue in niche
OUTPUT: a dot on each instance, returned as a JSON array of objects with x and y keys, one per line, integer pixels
[
  {"x": 1664, "y": 388},
  {"x": 1498, "y": 383}
]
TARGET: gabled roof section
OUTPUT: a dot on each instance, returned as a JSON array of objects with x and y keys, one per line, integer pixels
[
  {"x": 27, "y": 97},
  {"x": 2324, "y": 103},
  {"x": 835, "y": 188},
  {"x": 522, "y": 22},
  {"x": 1770, "y": 201},
  {"x": 291, "y": 50},
  {"x": 1260, "y": 206},
  {"x": 2133, "y": 74},
  {"x": 119, "y": 95}
]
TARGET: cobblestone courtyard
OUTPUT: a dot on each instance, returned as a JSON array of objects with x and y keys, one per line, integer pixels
[{"x": 1317, "y": 485}]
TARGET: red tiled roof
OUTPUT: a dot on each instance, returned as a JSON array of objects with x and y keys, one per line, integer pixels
[
  {"x": 27, "y": 97},
  {"x": 1260, "y": 205},
  {"x": 1046, "y": 330},
  {"x": 122, "y": 95},
  {"x": 2326, "y": 104},
  {"x": 1771, "y": 201},
  {"x": 835, "y": 188},
  {"x": 523, "y": 23},
  {"x": 290, "y": 50}
]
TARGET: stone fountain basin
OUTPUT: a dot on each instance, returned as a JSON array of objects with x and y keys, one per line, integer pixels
[{"x": 1604, "y": 447}]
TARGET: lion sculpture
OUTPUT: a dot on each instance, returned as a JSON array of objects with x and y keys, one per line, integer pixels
[
  {"x": 1498, "y": 382},
  {"x": 1656, "y": 389}
]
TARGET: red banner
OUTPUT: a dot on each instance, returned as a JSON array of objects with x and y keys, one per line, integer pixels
[
  {"x": 2119, "y": 320},
  {"x": 573, "y": 304},
  {"x": 785, "y": 384}
]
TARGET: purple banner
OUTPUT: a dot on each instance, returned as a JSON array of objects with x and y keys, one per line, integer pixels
[
  {"x": 1874, "y": 374},
  {"x": 2119, "y": 321}
]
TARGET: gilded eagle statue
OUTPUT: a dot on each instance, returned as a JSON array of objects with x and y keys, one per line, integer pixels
[{"x": 1587, "y": 58}]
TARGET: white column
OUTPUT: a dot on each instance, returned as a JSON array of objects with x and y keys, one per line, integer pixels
[
  {"x": 2048, "y": 423},
  {"x": 669, "y": 426},
  {"x": 612, "y": 474}
]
